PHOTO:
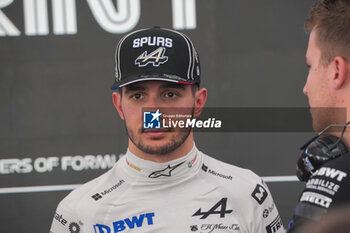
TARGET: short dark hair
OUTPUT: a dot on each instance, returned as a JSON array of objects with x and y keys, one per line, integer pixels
[
  {"x": 194, "y": 88},
  {"x": 331, "y": 19}
]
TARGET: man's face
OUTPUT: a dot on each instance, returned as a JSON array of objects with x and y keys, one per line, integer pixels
[
  {"x": 155, "y": 95},
  {"x": 318, "y": 87}
]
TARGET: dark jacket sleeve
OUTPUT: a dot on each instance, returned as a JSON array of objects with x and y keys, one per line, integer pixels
[{"x": 327, "y": 188}]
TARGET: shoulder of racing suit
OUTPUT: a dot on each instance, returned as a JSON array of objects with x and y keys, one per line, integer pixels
[{"x": 327, "y": 188}]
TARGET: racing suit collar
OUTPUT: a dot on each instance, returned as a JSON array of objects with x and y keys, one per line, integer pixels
[{"x": 181, "y": 167}]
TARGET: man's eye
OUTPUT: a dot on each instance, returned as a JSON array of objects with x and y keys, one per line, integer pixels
[
  {"x": 137, "y": 96},
  {"x": 170, "y": 94}
]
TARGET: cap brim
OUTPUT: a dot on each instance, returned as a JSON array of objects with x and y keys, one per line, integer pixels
[{"x": 149, "y": 77}]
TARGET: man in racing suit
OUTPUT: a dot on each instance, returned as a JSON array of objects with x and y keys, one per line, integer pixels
[
  {"x": 327, "y": 85},
  {"x": 164, "y": 183}
]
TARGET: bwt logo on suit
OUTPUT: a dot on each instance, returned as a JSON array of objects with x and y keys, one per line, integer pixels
[{"x": 115, "y": 19}]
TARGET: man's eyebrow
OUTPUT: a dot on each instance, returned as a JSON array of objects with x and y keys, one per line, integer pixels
[
  {"x": 134, "y": 87},
  {"x": 172, "y": 85}
]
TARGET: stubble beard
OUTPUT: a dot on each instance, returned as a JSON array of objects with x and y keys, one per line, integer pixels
[{"x": 175, "y": 142}]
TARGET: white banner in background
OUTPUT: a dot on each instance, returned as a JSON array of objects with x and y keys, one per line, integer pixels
[
  {"x": 117, "y": 18},
  {"x": 64, "y": 163}
]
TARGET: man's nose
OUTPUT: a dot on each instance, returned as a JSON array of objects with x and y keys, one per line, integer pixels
[
  {"x": 153, "y": 102},
  {"x": 305, "y": 90}
]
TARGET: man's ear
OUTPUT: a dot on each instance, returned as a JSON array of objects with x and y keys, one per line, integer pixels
[
  {"x": 200, "y": 99},
  {"x": 117, "y": 101},
  {"x": 339, "y": 72}
]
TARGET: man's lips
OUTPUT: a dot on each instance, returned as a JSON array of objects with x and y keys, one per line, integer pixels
[
  {"x": 156, "y": 130},
  {"x": 156, "y": 134}
]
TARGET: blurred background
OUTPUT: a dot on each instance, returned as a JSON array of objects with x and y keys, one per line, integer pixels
[{"x": 58, "y": 125}]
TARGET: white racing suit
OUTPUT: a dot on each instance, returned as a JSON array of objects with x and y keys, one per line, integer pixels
[{"x": 195, "y": 193}]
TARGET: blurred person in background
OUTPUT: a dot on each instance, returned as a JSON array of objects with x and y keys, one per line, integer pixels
[
  {"x": 325, "y": 161},
  {"x": 336, "y": 220}
]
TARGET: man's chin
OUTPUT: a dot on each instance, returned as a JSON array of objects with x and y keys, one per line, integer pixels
[
  {"x": 157, "y": 143},
  {"x": 161, "y": 145},
  {"x": 326, "y": 117},
  {"x": 319, "y": 124},
  {"x": 157, "y": 148}
]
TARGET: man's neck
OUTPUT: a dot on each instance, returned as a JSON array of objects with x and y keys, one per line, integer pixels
[
  {"x": 346, "y": 138},
  {"x": 181, "y": 151}
]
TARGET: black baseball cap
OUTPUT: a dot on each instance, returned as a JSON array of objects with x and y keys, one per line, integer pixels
[{"x": 156, "y": 54}]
